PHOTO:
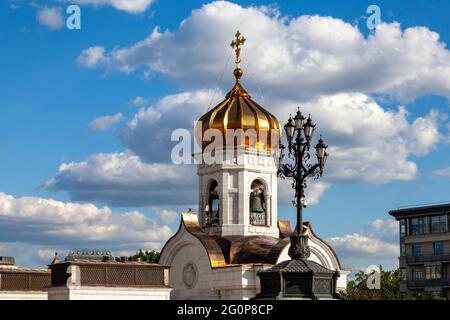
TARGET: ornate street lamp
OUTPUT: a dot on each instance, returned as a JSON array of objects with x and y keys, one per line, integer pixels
[
  {"x": 299, "y": 278},
  {"x": 299, "y": 134}
]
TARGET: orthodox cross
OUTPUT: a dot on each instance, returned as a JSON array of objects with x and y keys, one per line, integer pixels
[{"x": 236, "y": 45}]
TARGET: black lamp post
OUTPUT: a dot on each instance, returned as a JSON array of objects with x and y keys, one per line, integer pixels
[
  {"x": 299, "y": 134},
  {"x": 299, "y": 278}
]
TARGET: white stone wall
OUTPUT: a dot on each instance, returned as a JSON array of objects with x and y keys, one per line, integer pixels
[
  {"x": 234, "y": 178},
  {"x": 182, "y": 250},
  {"x": 231, "y": 282},
  {"x": 23, "y": 295},
  {"x": 107, "y": 293}
]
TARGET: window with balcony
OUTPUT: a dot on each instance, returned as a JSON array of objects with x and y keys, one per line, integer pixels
[
  {"x": 417, "y": 250},
  {"x": 417, "y": 274},
  {"x": 418, "y": 225},
  {"x": 439, "y": 223},
  {"x": 438, "y": 248},
  {"x": 433, "y": 272},
  {"x": 402, "y": 274},
  {"x": 402, "y": 227}
]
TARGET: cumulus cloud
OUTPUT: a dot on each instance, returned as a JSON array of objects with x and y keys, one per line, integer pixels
[
  {"x": 148, "y": 134},
  {"x": 52, "y": 18},
  {"x": 312, "y": 194},
  {"x": 139, "y": 101},
  {"x": 131, "y": 6},
  {"x": 122, "y": 179},
  {"x": 91, "y": 57},
  {"x": 105, "y": 122},
  {"x": 368, "y": 143},
  {"x": 375, "y": 244},
  {"x": 298, "y": 57},
  {"x": 445, "y": 172},
  {"x": 48, "y": 222},
  {"x": 321, "y": 61}
]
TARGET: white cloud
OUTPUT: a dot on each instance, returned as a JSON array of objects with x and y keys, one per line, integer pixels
[
  {"x": 360, "y": 244},
  {"x": 91, "y": 57},
  {"x": 445, "y": 172},
  {"x": 46, "y": 256},
  {"x": 143, "y": 175},
  {"x": 375, "y": 244},
  {"x": 368, "y": 143},
  {"x": 307, "y": 59},
  {"x": 54, "y": 223},
  {"x": 131, "y": 6},
  {"x": 122, "y": 179},
  {"x": 168, "y": 216},
  {"x": 52, "y": 18},
  {"x": 105, "y": 122},
  {"x": 299, "y": 57},
  {"x": 385, "y": 230},
  {"x": 313, "y": 193},
  {"x": 140, "y": 102},
  {"x": 148, "y": 133}
]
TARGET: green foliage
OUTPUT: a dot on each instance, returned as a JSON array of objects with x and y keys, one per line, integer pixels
[
  {"x": 145, "y": 256},
  {"x": 434, "y": 296},
  {"x": 389, "y": 286}
]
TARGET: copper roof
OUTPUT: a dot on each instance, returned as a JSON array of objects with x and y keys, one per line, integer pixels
[
  {"x": 234, "y": 250},
  {"x": 241, "y": 250}
]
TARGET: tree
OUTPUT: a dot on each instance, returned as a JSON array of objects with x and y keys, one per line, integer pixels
[
  {"x": 145, "y": 256},
  {"x": 389, "y": 286}
]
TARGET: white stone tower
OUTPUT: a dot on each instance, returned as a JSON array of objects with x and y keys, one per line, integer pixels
[{"x": 238, "y": 196}]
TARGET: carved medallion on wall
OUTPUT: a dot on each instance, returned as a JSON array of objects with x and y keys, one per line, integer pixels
[{"x": 190, "y": 275}]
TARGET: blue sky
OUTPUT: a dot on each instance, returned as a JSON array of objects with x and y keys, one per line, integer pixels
[{"x": 50, "y": 95}]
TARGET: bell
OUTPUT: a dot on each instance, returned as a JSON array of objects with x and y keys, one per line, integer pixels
[{"x": 257, "y": 203}]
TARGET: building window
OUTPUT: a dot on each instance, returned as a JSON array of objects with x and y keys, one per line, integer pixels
[
  {"x": 258, "y": 210},
  {"x": 402, "y": 227},
  {"x": 438, "y": 248},
  {"x": 433, "y": 272},
  {"x": 418, "y": 226},
  {"x": 212, "y": 209},
  {"x": 417, "y": 274},
  {"x": 417, "y": 249},
  {"x": 439, "y": 223},
  {"x": 402, "y": 274},
  {"x": 402, "y": 249}
]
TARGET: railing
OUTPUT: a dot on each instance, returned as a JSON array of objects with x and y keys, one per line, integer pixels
[
  {"x": 428, "y": 258},
  {"x": 444, "y": 282},
  {"x": 115, "y": 275},
  {"x": 24, "y": 281}
]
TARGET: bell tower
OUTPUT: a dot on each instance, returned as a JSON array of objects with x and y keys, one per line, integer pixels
[{"x": 237, "y": 168}]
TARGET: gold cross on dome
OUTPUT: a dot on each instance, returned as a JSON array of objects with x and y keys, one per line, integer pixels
[{"x": 236, "y": 45}]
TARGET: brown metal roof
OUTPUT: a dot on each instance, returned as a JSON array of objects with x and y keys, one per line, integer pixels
[
  {"x": 242, "y": 250},
  {"x": 234, "y": 250}
]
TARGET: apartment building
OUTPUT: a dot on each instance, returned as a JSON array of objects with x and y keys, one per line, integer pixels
[{"x": 424, "y": 250}]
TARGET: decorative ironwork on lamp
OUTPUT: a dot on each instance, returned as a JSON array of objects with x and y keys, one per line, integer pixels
[{"x": 299, "y": 134}]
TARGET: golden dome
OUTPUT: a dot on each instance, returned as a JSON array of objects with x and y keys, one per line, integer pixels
[{"x": 239, "y": 111}]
